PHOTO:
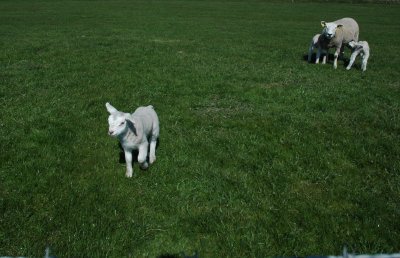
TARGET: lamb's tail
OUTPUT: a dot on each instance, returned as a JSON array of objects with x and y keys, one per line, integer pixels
[{"x": 150, "y": 106}]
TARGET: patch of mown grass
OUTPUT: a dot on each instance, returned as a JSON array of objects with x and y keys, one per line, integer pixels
[{"x": 260, "y": 153}]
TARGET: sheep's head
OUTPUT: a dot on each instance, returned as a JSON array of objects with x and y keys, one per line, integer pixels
[
  {"x": 329, "y": 29},
  {"x": 117, "y": 121}
]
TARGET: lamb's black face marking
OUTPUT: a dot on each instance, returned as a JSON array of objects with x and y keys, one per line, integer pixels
[{"x": 131, "y": 126}]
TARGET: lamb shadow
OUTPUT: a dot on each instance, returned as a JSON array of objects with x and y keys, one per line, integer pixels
[
  {"x": 346, "y": 61},
  {"x": 135, "y": 153}
]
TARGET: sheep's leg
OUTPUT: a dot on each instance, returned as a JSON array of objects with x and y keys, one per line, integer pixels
[
  {"x": 336, "y": 57},
  {"x": 153, "y": 144},
  {"x": 128, "y": 160},
  {"x": 325, "y": 58},
  {"x": 341, "y": 52},
  {"x": 318, "y": 55},
  {"x": 310, "y": 51},
  {"x": 142, "y": 157},
  {"x": 352, "y": 59}
]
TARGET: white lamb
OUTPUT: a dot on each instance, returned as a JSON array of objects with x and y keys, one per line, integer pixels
[
  {"x": 336, "y": 35},
  {"x": 314, "y": 44},
  {"x": 359, "y": 48},
  {"x": 134, "y": 131}
]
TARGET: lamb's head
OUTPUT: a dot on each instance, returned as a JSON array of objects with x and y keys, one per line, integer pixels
[
  {"x": 117, "y": 121},
  {"x": 352, "y": 44},
  {"x": 329, "y": 29},
  {"x": 355, "y": 45}
]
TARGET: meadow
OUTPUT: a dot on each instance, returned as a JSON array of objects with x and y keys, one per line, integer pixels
[{"x": 260, "y": 154}]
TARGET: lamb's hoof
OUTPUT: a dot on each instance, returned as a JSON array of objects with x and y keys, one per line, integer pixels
[
  {"x": 348, "y": 68},
  {"x": 144, "y": 165},
  {"x": 152, "y": 159},
  {"x": 128, "y": 175}
]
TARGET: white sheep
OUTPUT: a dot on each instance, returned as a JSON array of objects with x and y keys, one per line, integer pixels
[
  {"x": 314, "y": 44},
  {"x": 359, "y": 48},
  {"x": 134, "y": 131},
  {"x": 336, "y": 35}
]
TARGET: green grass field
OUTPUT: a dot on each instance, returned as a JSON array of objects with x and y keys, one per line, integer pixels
[{"x": 261, "y": 154}]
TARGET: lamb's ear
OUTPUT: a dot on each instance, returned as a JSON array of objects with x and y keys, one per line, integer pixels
[
  {"x": 110, "y": 108},
  {"x": 323, "y": 24},
  {"x": 131, "y": 125}
]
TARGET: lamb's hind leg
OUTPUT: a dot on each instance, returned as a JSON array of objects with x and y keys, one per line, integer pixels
[
  {"x": 153, "y": 144},
  {"x": 364, "y": 62}
]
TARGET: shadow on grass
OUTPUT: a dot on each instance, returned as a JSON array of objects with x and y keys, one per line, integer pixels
[
  {"x": 169, "y": 256},
  {"x": 135, "y": 153},
  {"x": 182, "y": 255},
  {"x": 329, "y": 59},
  {"x": 314, "y": 56}
]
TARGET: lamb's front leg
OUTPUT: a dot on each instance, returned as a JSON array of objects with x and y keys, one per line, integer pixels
[
  {"x": 128, "y": 160},
  {"x": 142, "y": 157},
  {"x": 352, "y": 58}
]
